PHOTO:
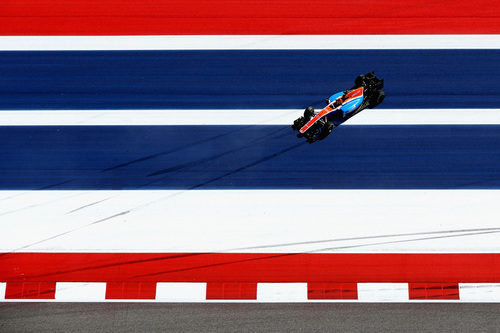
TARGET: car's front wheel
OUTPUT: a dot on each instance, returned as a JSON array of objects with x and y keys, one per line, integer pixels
[
  {"x": 326, "y": 130},
  {"x": 309, "y": 112}
]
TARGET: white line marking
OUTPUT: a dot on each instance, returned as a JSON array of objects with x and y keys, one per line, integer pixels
[
  {"x": 3, "y": 288},
  {"x": 249, "y": 42},
  {"x": 479, "y": 292},
  {"x": 426, "y": 117},
  {"x": 361, "y": 221},
  {"x": 148, "y": 117},
  {"x": 282, "y": 292},
  {"x": 383, "y": 292},
  {"x": 80, "y": 291},
  {"x": 181, "y": 292},
  {"x": 243, "y": 117}
]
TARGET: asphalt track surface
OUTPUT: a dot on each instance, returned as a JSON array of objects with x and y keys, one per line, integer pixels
[
  {"x": 250, "y": 79},
  {"x": 248, "y": 157},
  {"x": 128, "y": 317}
]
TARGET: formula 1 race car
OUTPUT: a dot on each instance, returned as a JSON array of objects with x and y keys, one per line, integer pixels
[{"x": 366, "y": 93}]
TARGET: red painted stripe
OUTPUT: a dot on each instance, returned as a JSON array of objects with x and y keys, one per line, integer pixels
[
  {"x": 231, "y": 290},
  {"x": 326, "y": 290},
  {"x": 249, "y": 267},
  {"x": 30, "y": 290},
  {"x": 184, "y": 17},
  {"x": 131, "y": 290},
  {"x": 433, "y": 290}
]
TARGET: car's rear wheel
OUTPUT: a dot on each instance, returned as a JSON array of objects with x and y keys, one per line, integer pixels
[
  {"x": 377, "y": 99},
  {"x": 359, "y": 80}
]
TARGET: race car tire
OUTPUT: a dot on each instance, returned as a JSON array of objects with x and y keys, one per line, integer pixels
[
  {"x": 309, "y": 112},
  {"x": 381, "y": 97},
  {"x": 359, "y": 80},
  {"x": 377, "y": 99},
  {"x": 326, "y": 130}
]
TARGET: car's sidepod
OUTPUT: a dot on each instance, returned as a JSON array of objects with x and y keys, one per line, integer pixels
[{"x": 355, "y": 99}]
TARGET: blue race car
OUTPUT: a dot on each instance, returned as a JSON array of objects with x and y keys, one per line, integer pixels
[{"x": 366, "y": 93}]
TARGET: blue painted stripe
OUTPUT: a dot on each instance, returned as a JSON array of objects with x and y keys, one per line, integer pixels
[
  {"x": 243, "y": 79},
  {"x": 241, "y": 157}
]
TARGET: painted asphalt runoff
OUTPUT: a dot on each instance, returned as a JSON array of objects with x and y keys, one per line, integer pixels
[
  {"x": 248, "y": 157},
  {"x": 222, "y": 17},
  {"x": 271, "y": 79},
  {"x": 128, "y": 317}
]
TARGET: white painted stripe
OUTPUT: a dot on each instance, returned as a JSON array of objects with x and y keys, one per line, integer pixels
[
  {"x": 3, "y": 287},
  {"x": 181, "y": 292},
  {"x": 249, "y": 42},
  {"x": 243, "y": 117},
  {"x": 80, "y": 291},
  {"x": 282, "y": 292},
  {"x": 479, "y": 292},
  {"x": 253, "y": 221},
  {"x": 148, "y": 117},
  {"x": 426, "y": 117},
  {"x": 383, "y": 292}
]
